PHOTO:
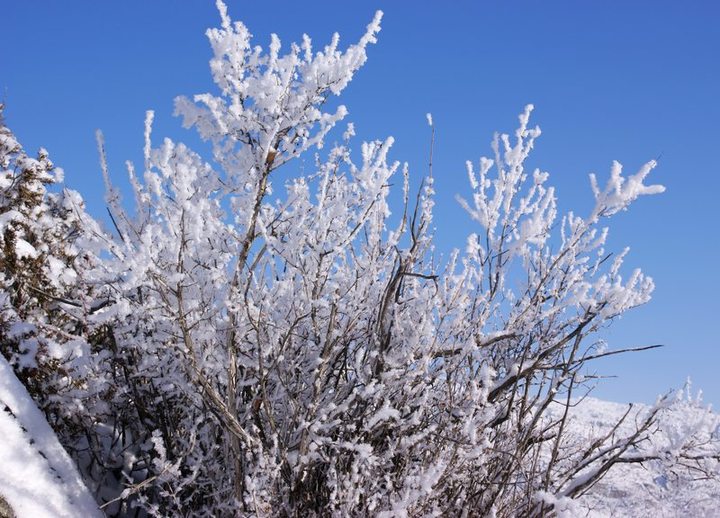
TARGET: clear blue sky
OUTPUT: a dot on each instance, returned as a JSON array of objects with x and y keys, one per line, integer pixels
[{"x": 609, "y": 79}]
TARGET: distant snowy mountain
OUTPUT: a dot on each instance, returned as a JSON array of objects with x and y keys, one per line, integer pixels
[{"x": 632, "y": 490}]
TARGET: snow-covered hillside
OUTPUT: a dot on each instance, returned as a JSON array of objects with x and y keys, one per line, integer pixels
[{"x": 37, "y": 477}]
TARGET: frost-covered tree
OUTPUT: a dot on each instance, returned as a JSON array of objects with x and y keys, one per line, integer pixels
[
  {"x": 290, "y": 349},
  {"x": 49, "y": 249},
  {"x": 45, "y": 303}
]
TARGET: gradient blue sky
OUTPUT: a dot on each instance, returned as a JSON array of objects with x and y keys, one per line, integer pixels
[{"x": 610, "y": 80}]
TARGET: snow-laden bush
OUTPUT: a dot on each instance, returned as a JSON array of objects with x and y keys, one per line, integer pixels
[{"x": 292, "y": 350}]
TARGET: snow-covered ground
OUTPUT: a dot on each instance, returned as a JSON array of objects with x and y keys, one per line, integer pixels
[{"x": 37, "y": 477}]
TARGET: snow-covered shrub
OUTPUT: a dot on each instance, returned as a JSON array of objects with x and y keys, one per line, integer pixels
[{"x": 303, "y": 355}]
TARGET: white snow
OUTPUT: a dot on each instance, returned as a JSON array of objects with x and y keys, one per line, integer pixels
[
  {"x": 25, "y": 249},
  {"x": 37, "y": 478}
]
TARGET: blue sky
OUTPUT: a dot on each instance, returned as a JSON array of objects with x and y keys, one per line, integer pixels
[{"x": 610, "y": 80}]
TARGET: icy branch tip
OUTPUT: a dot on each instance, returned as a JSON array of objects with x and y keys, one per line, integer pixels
[
  {"x": 149, "y": 116},
  {"x": 222, "y": 9},
  {"x": 372, "y": 29}
]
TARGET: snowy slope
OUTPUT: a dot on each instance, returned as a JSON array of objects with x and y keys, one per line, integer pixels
[
  {"x": 37, "y": 477},
  {"x": 632, "y": 490}
]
